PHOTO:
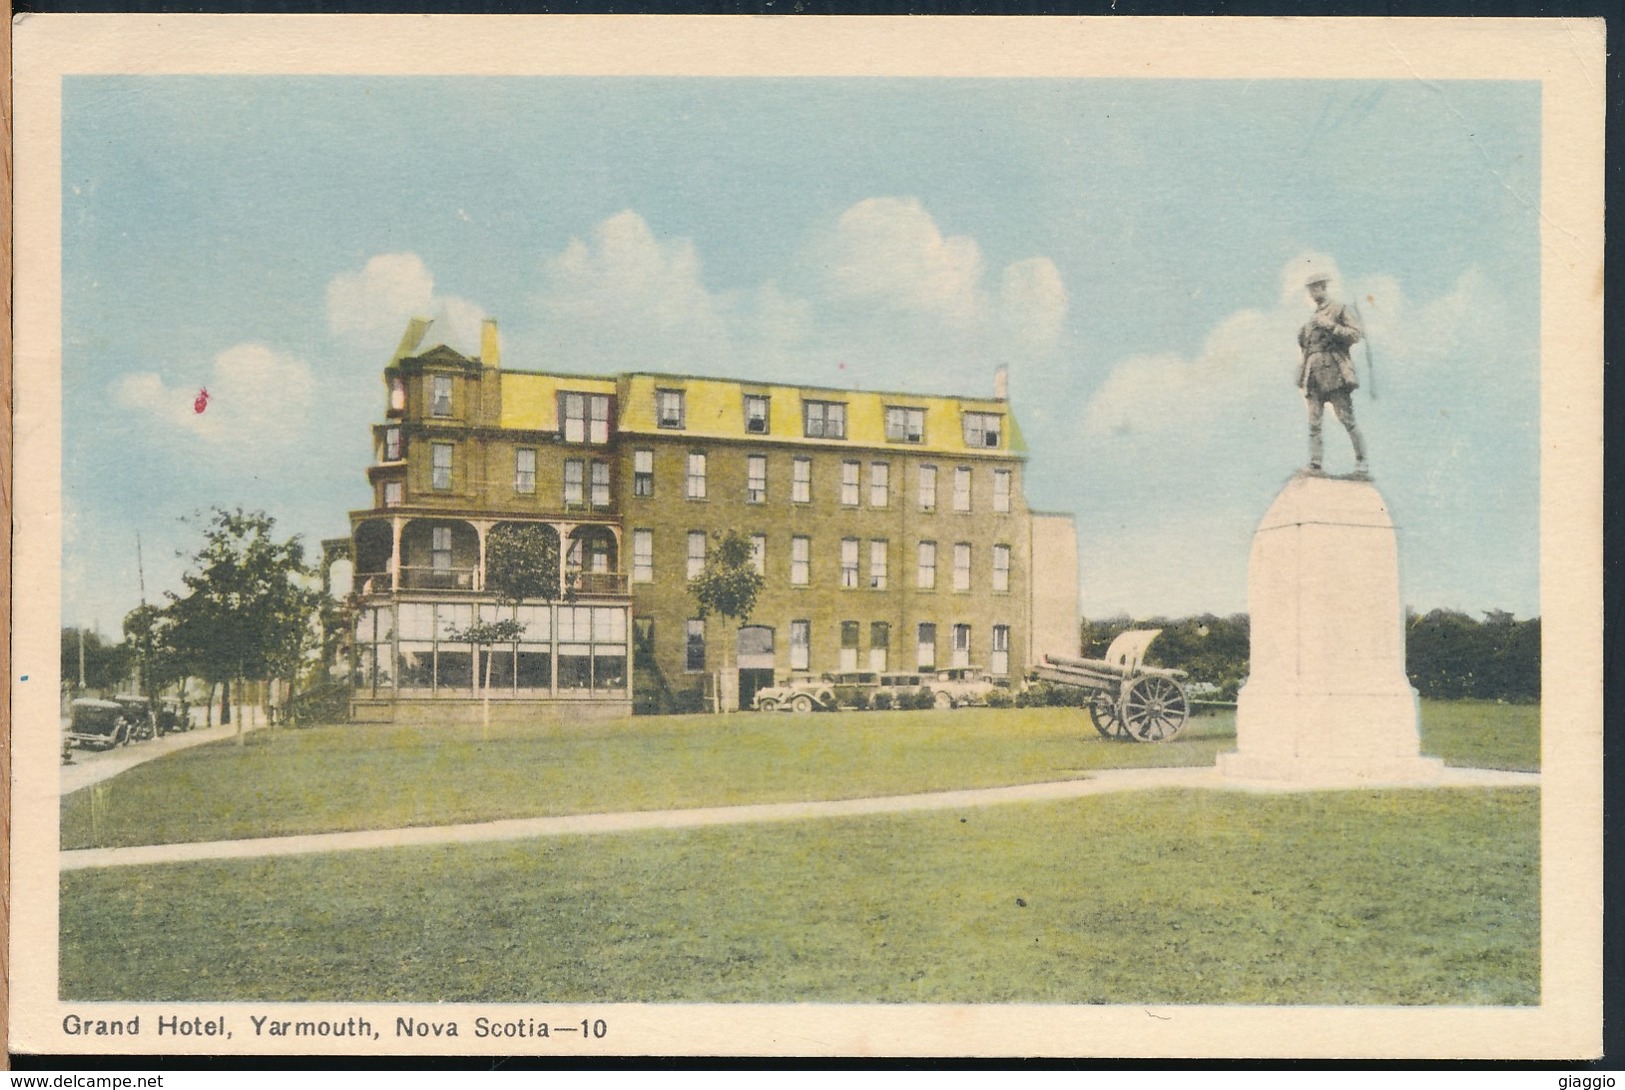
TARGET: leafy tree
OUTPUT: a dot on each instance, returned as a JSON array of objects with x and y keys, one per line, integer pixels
[
  {"x": 149, "y": 634},
  {"x": 106, "y": 665},
  {"x": 728, "y": 585},
  {"x": 246, "y": 612}
]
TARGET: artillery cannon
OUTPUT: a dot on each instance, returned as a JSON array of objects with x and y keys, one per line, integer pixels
[{"x": 1128, "y": 699}]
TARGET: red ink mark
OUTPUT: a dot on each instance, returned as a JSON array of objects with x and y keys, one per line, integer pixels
[
  {"x": 202, "y": 400},
  {"x": 841, "y": 366}
]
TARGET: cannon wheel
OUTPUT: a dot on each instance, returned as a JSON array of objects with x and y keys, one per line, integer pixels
[
  {"x": 1103, "y": 714},
  {"x": 1154, "y": 709}
]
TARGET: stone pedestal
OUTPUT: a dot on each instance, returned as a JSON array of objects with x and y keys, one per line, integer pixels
[{"x": 1326, "y": 700}]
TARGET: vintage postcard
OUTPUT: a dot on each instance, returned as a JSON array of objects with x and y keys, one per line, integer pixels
[{"x": 615, "y": 536}]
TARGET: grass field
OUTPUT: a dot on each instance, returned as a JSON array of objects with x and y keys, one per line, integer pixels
[
  {"x": 1370, "y": 897},
  {"x": 328, "y": 779}
]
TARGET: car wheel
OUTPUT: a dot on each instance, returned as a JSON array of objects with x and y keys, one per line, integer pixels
[
  {"x": 768, "y": 705},
  {"x": 943, "y": 700},
  {"x": 802, "y": 703}
]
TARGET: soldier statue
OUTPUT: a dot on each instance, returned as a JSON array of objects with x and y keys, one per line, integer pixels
[{"x": 1327, "y": 373}]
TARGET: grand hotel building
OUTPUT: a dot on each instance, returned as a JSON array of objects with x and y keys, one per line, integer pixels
[{"x": 891, "y": 528}]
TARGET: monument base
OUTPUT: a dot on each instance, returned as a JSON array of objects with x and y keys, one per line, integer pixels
[{"x": 1330, "y": 771}]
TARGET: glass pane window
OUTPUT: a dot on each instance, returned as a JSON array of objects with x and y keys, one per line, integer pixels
[
  {"x": 982, "y": 429},
  {"x": 524, "y": 470},
  {"x": 643, "y": 473},
  {"x": 877, "y": 565},
  {"x": 392, "y": 493},
  {"x": 696, "y": 552},
  {"x": 962, "y": 488},
  {"x": 573, "y": 469},
  {"x": 800, "y": 644},
  {"x": 696, "y": 475},
  {"x": 999, "y": 661},
  {"x": 416, "y": 621},
  {"x": 537, "y": 622},
  {"x": 961, "y": 647},
  {"x": 643, "y": 556},
  {"x": 849, "y": 562},
  {"x": 879, "y": 484},
  {"x": 926, "y": 647},
  {"x": 440, "y": 548},
  {"x": 575, "y": 666},
  {"x": 926, "y": 577},
  {"x": 392, "y": 444},
  {"x": 608, "y": 624},
  {"x": 849, "y": 645},
  {"x": 928, "y": 488},
  {"x": 962, "y": 566},
  {"x": 669, "y": 408},
  {"x": 575, "y": 624},
  {"x": 801, "y": 480},
  {"x": 1001, "y": 490},
  {"x": 756, "y": 478},
  {"x": 850, "y": 472},
  {"x": 441, "y": 466},
  {"x": 695, "y": 646},
  {"x": 825, "y": 419},
  {"x": 597, "y": 418},
  {"x": 600, "y": 484},
  {"x": 439, "y": 395},
  {"x": 758, "y": 553},
  {"x": 879, "y": 644},
  {"x": 574, "y": 410},
  {"x": 1001, "y": 567},
  {"x": 756, "y": 419},
  {"x": 800, "y": 552},
  {"x": 904, "y": 425}
]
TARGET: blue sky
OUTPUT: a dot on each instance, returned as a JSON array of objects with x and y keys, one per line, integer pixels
[{"x": 1131, "y": 250}]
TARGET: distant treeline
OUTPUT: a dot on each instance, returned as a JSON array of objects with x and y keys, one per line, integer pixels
[{"x": 1448, "y": 655}]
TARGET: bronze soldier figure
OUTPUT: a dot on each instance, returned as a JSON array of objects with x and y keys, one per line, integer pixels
[{"x": 1327, "y": 373}]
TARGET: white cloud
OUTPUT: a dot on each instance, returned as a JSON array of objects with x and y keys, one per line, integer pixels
[
  {"x": 373, "y": 305},
  {"x": 257, "y": 398},
  {"x": 888, "y": 252}
]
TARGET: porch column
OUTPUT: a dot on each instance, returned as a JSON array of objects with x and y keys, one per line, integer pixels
[
  {"x": 480, "y": 530},
  {"x": 395, "y": 555}
]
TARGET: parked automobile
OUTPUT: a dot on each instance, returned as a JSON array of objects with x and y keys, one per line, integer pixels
[
  {"x": 173, "y": 716},
  {"x": 902, "y": 688},
  {"x": 960, "y": 685},
  {"x": 98, "y": 724},
  {"x": 142, "y": 719},
  {"x": 797, "y": 695}
]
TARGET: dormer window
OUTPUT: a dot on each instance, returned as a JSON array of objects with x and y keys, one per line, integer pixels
[
  {"x": 825, "y": 419},
  {"x": 905, "y": 425},
  {"x": 392, "y": 444},
  {"x": 585, "y": 416},
  {"x": 982, "y": 429},
  {"x": 756, "y": 418},
  {"x": 397, "y": 396},
  {"x": 440, "y": 395},
  {"x": 669, "y": 408}
]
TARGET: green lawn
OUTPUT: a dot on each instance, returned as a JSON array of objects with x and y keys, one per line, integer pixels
[
  {"x": 329, "y": 779},
  {"x": 1370, "y": 897}
]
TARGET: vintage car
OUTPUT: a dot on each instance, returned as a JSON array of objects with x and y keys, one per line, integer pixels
[
  {"x": 796, "y": 695},
  {"x": 903, "y": 689},
  {"x": 961, "y": 685},
  {"x": 139, "y": 713},
  {"x": 98, "y": 724},
  {"x": 173, "y": 716}
]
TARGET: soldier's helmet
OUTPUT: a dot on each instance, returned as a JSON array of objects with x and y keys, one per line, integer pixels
[{"x": 1317, "y": 278}]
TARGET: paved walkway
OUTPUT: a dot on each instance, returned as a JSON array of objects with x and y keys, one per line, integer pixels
[
  {"x": 1099, "y": 783},
  {"x": 93, "y": 766}
]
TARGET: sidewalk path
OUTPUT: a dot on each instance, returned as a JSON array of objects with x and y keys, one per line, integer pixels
[
  {"x": 1100, "y": 783},
  {"x": 93, "y": 766}
]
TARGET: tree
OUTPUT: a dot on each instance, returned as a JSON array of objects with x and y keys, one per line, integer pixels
[
  {"x": 246, "y": 611},
  {"x": 149, "y": 633},
  {"x": 728, "y": 585},
  {"x": 106, "y": 665}
]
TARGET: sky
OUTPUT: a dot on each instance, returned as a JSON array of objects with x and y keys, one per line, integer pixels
[{"x": 1133, "y": 251}]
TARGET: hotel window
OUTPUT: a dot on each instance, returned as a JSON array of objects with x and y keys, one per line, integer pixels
[
  {"x": 849, "y": 645},
  {"x": 600, "y": 484},
  {"x": 927, "y": 577},
  {"x": 758, "y": 553},
  {"x": 669, "y": 408},
  {"x": 801, "y": 480},
  {"x": 696, "y": 475},
  {"x": 928, "y": 488},
  {"x": 800, "y": 644},
  {"x": 961, "y": 645},
  {"x": 572, "y": 482},
  {"x": 696, "y": 552},
  {"x": 981, "y": 429},
  {"x": 999, "y": 663},
  {"x": 643, "y": 556},
  {"x": 849, "y": 562},
  {"x": 879, "y": 484},
  {"x": 1001, "y": 490},
  {"x": 850, "y": 471},
  {"x": 586, "y": 417},
  {"x": 592, "y": 647},
  {"x": 695, "y": 659},
  {"x": 877, "y": 565},
  {"x": 825, "y": 419},
  {"x": 962, "y": 488},
  {"x": 440, "y": 548},
  {"x": 442, "y": 466},
  {"x": 392, "y": 444},
  {"x": 524, "y": 663},
  {"x": 756, "y": 478},
  {"x": 397, "y": 396},
  {"x": 1001, "y": 567},
  {"x": 962, "y": 566},
  {"x": 879, "y": 643},
  {"x": 643, "y": 473},
  {"x": 905, "y": 425},
  {"x": 926, "y": 647},
  {"x": 439, "y": 395},
  {"x": 392, "y": 493},
  {"x": 524, "y": 471},
  {"x": 756, "y": 418},
  {"x": 800, "y": 565}
]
